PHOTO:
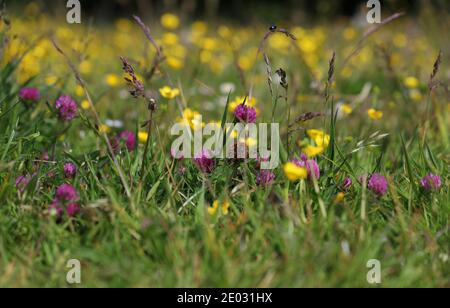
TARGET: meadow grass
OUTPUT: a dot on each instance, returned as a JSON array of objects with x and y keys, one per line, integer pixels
[{"x": 145, "y": 218}]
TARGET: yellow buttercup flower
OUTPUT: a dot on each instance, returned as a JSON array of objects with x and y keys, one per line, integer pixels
[
  {"x": 170, "y": 21},
  {"x": 225, "y": 207},
  {"x": 295, "y": 173},
  {"x": 313, "y": 151},
  {"x": 175, "y": 63},
  {"x": 189, "y": 114},
  {"x": 192, "y": 119},
  {"x": 346, "y": 109},
  {"x": 85, "y": 104},
  {"x": 143, "y": 137},
  {"x": 411, "y": 82},
  {"x": 321, "y": 143},
  {"x": 245, "y": 62},
  {"x": 375, "y": 114},
  {"x": 85, "y": 67},
  {"x": 177, "y": 50},
  {"x": 199, "y": 28},
  {"x": 320, "y": 138},
  {"x": 308, "y": 45},
  {"x": 209, "y": 44},
  {"x": 79, "y": 91},
  {"x": 169, "y": 93},
  {"x": 112, "y": 80},
  {"x": 170, "y": 39},
  {"x": 314, "y": 133}
]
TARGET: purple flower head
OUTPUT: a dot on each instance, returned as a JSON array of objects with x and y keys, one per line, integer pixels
[
  {"x": 245, "y": 114},
  {"x": 347, "y": 184},
  {"x": 70, "y": 170},
  {"x": 431, "y": 182},
  {"x": 66, "y": 193},
  {"x": 205, "y": 162},
  {"x": 265, "y": 178},
  {"x": 130, "y": 140},
  {"x": 30, "y": 94},
  {"x": 378, "y": 184},
  {"x": 72, "y": 209},
  {"x": 67, "y": 108}
]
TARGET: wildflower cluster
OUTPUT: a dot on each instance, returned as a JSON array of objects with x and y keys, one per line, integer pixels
[{"x": 361, "y": 151}]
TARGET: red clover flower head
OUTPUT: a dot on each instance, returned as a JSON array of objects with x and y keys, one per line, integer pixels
[
  {"x": 70, "y": 170},
  {"x": 66, "y": 193},
  {"x": 431, "y": 182},
  {"x": 205, "y": 162},
  {"x": 378, "y": 184},
  {"x": 67, "y": 108},
  {"x": 245, "y": 114},
  {"x": 30, "y": 94},
  {"x": 64, "y": 202},
  {"x": 130, "y": 140}
]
